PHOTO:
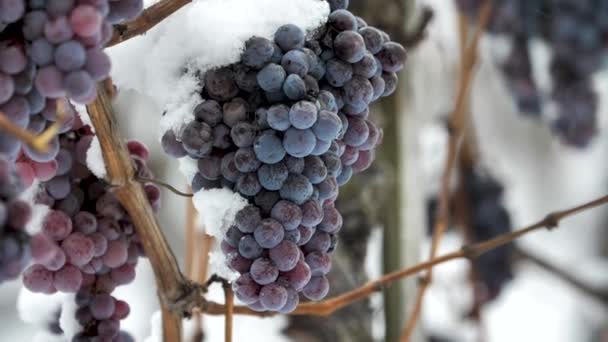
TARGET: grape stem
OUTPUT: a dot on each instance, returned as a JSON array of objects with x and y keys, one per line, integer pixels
[
  {"x": 39, "y": 142},
  {"x": 458, "y": 123},
  {"x": 164, "y": 185},
  {"x": 329, "y": 306},
  {"x": 173, "y": 288},
  {"x": 149, "y": 18},
  {"x": 229, "y": 298}
]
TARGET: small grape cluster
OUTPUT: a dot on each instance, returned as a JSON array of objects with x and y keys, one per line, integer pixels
[
  {"x": 285, "y": 127},
  {"x": 14, "y": 215},
  {"x": 577, "y": 32},
  {"x": 51, "y": 50},
  {"x": 88, "y": 244},
  {"x": 488, "y": 219}
]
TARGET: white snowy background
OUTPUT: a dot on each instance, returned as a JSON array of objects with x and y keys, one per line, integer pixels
[{"x": 540, "y": 175}]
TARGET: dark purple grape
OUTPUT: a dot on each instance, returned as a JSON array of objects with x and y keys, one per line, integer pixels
[
  {"x": 345, "y": 175},
  {"x": 271, "y": 77},
  {"x": 209, "y": 112},
  {"x": 298, "y": 277},
  {"x": 210, "y": 167},
  {"x": 272, "y": 176},
  {"x": 221, "y": 137},
  {"x": 269, "y": 233},
  {"x": 245, "y": 160},
  {"x": 319, "y": 263},
  {"x": 263, "y": 271},
  {"x": 246, "y": 289},
  {"x": 243, "y": 134},
  {"x": 248, "y": 184},
  {"x": 235, "y": 111},
  {"x": 285, "y": 255},
  {"x": 297, "y": 188},
  {"x": 248, "y": 218},
  {"x": 317, "y": 288},
  {"x": 197, "y": 139},
  {"x": 392, "y": 56},
  {"x": 314, "y": 169},
  {"x": 278, "y": 117},
  {"x": 220, "y": 84},
  {"x": 289, "y": 37},
  {"x": 287, "y": 213},
  {"x": 269, "y": 148},
  {"x": 249, "y": 248},
  {"x": 299, "y": 142},
  {"x": 338, "y": 73},
  {"x": 293, "y": 299},
  {"x": 306, "y": 234},
  {"x": 373, "y": 39},
  {"x": 319, "y": 242},
  {"x": 273, "y": 297},
  {"x": 390, "y": 83},
  {"x": 358, "y": 92},
  {"x": 294, "y": 87},
  {"x": 228, "y": 168},
  {"x": 266, "y": 200},
  {"x": 294, "y": 165},
  {"x": 303, "y": 115},
  {"x": 258, "y": 52},
  {"x": 332, "y": 220},
  {"x": 342, "y": 20},
  {"x": 328, "y": 188},
  {"x": 349, "y": 46},
  {"x": 295, "y": 62}
]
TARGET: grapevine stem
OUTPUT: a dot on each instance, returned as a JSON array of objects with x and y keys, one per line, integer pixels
[
  {"x": 329, "y": 306},
  {"x": 149, "y": 18},
  {"x": 458, "y": 123},
  {"x": 229, "y": 297},
  {"x": 164, "y": 185},
  {"x": 38, "y": 142}
]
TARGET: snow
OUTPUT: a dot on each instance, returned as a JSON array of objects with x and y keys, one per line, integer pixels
[
  {"x": 156, "y": 331},
  {"x": 95, "y": 161},
  {"x": 67, "y": 320},
  {"x": 38, "y": 308},
  {"x": 217, "y": 209},
  {"x": 39, "y": 211}
]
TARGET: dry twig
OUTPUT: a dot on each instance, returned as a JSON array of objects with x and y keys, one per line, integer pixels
[
  {"x": 149, "y": 18},
  {"x": 229, "y": 297},
  {"x": 38, "y": 142}
]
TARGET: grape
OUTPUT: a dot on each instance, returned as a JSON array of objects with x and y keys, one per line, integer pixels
[
  {"x": 345, "y": 175},
  {"x": 243, "y": 134},
  {"x": 366, "y": 67},
  {"x": 364, "y": 161},
  {"x": 272, "y": 176},
  {"x": 228, "y": 168},
  {"x": 42, "y": 248},
  {"x": 392, "y": 57},
  {"x": 349, "y": 46},
  {"x": 258, "y": 52},
  {"x": 317, "y": 288},
  {"x": 332, "y": 220},
  {"x": 357, "y": 132},
  {"x": 285, "y": 255},
  {"x": 278, "y": 117},
  {"x": 372, "y": 38},
  {"x": 7, "y": 87},
  {"x": 335, "y": 5},
  {"x": 297, "y": 188},
  {"x": 289, "y": 37},
  {"x": 220, "y": 84},
  {"x": 221, "y": 137},
  {"x": 245, "y": 160},
  {"x": 57, "y": 225},
  {"x": 248, "y": 218},
  {"x": 209, "y": 112},
  {"x": 319, "y": 242},
  {"x": 332, "y": 163},
  {"x": 295, "y": 62},
  {"x": 287, "y": 213},
  {"x": 102, "y": 306},
  {"x": 116, "y": 254},
  {"x": 197, "y": 139},
  {"x": 97, "y": 64},
  {"x": 249, "y": 248},
  {"x": 269, "y": 233},
  {"x": 302, "y": 115},
  {"x": 266, "y": 200},
  {"x": 379, "y": 86},
  {"x": 248, "y": 184},
  {"x": 58, "y": 187},
  {"x": 12, "y": 59},
  {"x": 100, "y": 244},
  {"x": 299, "y": 142},
  {"x": 328, "y": 126},
  {"x": 319, "y": 263},
  {"x": 299, "y": 276},
  {"x": 263, "y": 271},
  {"x": 294, "y": 87},
  {"x": 271, "y": 77},
  {"x": 246, "y": 79},
  {"x": 38, "y": 279},
  {"x": 273, "y": 297},
  {"x": 268, "y": 148},
  {"x": 390, "y": 83},
  {"x": 358, "y": 92},
  {"x": 70, "y": 55},
  {"x": 338, "y": 73},
  {"x": 67, "y": 279},
  {"x": 315, "y": 169},
  {"x": 78, "y": 248},
  {"x": 294, "y": 164},
  {"x": 292, "y": 235},
  {"x": 292, "y": 301},
  {"x": 246, "y": 290},
  {"x": 328, "y": 188}
]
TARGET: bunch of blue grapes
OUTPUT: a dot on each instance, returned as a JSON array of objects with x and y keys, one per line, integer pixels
[
  {"x": 51, "y": 50},
  {"x": 87, "y": 244},
  {"x": 488, "y": 219},
  {"x": 577, "y": 34},
  {"x": 286, "y": 127},
  {"x": 14, "y": 215}
]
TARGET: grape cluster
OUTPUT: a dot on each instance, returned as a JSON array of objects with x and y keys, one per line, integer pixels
[
  {"x": 285, "y": 127},
  {"x": 488, "y": 219},
  {"x": 87, "y": 244},
  {"x": 577, "y": 33},
  {"x": 14, "y": 215},
  {"x": 51, "y": 50}
]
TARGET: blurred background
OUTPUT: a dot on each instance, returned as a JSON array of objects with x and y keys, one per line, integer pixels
[{"x": 536, "y": 143}]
